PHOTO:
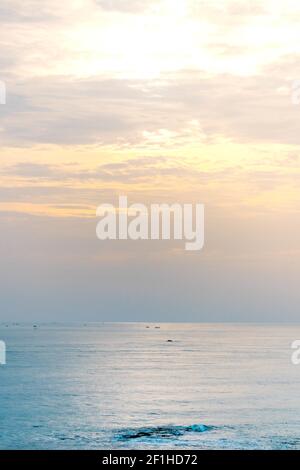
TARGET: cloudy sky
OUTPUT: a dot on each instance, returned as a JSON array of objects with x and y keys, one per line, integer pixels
[{"x": 163, "y": 101}]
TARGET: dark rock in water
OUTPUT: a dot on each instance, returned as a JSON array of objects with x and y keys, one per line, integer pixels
[
  {"x": 161, "y": 432},
  {"x": 169, "y": 341},
  {"x": 34, "y": 326}
]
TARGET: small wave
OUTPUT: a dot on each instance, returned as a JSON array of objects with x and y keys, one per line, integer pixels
[{"x": 161, "y": 432}]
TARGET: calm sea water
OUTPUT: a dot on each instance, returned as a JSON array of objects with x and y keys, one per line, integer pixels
[{"x": 121, "y": 386}]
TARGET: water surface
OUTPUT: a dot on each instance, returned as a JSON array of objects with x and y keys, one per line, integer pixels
[{"x": 121, "y": 386}]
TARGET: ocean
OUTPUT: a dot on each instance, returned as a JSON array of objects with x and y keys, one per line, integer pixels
[{"x": 149, "y": 386}]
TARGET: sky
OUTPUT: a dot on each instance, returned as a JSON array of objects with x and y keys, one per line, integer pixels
[{"x": 165, "y": 101}]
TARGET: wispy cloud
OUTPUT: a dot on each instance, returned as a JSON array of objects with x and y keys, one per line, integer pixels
[
  {"x": 72, "y": 111},
  {"x": 127, "y": 6}
]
